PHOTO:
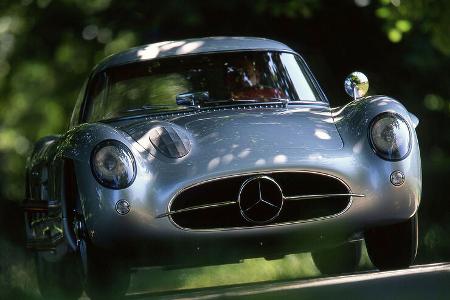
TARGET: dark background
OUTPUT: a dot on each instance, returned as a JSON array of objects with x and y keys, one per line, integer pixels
[{"x": 47, "y": 49}]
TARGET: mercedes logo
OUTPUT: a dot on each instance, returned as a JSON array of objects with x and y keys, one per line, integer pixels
[{"x": 260, "y": 199}]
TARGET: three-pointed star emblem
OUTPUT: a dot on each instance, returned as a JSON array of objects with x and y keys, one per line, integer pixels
[{"x": 260, "y": 199}]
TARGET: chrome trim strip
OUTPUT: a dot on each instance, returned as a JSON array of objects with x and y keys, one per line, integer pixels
[
  {"x": 289, "y": 198},
  {"x": 195, "y": 111},
  {"x": 303, "y": 197},
  {"x": 219, "y": 204}
]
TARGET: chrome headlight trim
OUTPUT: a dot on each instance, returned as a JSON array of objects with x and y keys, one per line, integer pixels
[
  {"x": 127, "y": 160},
  {"x": 377, "y": 149}
]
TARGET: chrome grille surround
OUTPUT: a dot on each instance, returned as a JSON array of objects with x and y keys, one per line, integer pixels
[{"x": 320, "y": 196}]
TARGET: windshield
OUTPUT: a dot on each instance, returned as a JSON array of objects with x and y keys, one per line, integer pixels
[{"x": 204, "y": 80}]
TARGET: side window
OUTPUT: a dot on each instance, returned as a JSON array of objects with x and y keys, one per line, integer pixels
[
  {"x": 97, "y": 97},
  {"x": 76, "y": 110},
  {"x": 300, "y": 81}
]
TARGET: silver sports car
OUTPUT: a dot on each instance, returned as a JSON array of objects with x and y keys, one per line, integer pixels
[{"x": 213, "y": 150}]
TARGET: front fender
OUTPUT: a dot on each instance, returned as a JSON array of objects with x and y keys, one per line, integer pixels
[
  {"x": 353, "y": 121},
  {"x": 72, "y": 159}
]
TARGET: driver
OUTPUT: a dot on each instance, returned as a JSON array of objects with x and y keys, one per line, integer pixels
[{"x": 246, "y": 84}]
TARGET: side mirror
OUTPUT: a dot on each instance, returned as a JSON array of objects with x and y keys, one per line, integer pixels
[{"x": 356, "y": 85}]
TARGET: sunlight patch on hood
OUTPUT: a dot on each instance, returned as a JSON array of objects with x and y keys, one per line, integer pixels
[
  {"x": 244, "y": 153},
  {"x": 260, "y": 162},
  {"x": 213, "y": 163},
  {"x": 227, "y": 158},
  {"x": 322, "y": 134},
  {"x": 280, "y": 159}
]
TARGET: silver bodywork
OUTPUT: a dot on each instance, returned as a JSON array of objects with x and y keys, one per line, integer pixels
[
  {"x": 225, "y": 142},
  {"x": 191, "y": 47}
]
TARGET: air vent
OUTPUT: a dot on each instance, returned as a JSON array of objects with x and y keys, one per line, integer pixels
[
  {"x": 170, "y": 141},
  {"x": 215, "y": 205}
]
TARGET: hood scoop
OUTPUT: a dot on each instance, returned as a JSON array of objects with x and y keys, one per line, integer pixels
[
  {"x": 170, "y": 141},
  {"x": 238, "y": 132},
  {"x": 164, "y": 138}
]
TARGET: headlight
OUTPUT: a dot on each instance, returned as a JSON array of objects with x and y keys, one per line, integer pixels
[
  {"x": 113, "y": 164},
  {"x": 390, "y": 136}
]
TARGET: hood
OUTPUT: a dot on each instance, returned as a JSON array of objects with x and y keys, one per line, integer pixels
[{"x": 310, "y": 127}]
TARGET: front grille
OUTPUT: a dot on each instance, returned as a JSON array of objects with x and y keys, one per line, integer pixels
[{"x": 214, "y": 204}]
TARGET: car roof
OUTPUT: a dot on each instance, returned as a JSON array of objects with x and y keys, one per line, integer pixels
[{"x": 190, "y": 46}]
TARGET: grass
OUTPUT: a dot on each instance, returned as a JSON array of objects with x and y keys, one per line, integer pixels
[
  {"x": 17, "y": 274},
  {"x": 18, "y": 280},
  {"x": 251, "y": 270}
]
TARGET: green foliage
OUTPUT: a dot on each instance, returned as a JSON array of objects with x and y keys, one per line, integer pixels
[
  {"x": 47, "y": 49},
  {"x": 288, "y": 8},
  {"x": 429, "y": 16}
]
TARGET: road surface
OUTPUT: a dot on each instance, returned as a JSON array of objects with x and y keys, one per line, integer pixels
[{"x": 418, "y": 282}]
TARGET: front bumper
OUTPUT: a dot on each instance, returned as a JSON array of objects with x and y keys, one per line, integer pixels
[{"x": 143, "y": 239}]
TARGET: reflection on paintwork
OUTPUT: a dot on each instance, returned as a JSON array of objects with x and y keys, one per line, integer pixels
[
  {"x": 322, "y": 134},
  {"x": 358, "y": 147},
  {"x": 155, "y": 50},
  {"x": 214, "y": 163},
  {"x": 315, "y": 156},
  {"x": 227, "y": 158},
  {"x": 260, "y": 162},
  {"x": 280, "y": 159},
  {"x": 189, "y": 47},
  {"x": 244, "y": 153}
]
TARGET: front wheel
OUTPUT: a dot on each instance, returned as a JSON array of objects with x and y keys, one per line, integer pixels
[
  {"x": 104, "y": 276},
  {"x": 393, "y": 246},
  {"x": 341, "y": 259},
  {"x": 59, "y": 279}
]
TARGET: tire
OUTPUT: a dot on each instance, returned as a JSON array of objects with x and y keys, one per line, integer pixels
[
  {"x": 104, "y": 277},
  {"x": 341, "y": 259},
  {"x": 394, "y": 246},
  {"x": 58, "y": 280}
]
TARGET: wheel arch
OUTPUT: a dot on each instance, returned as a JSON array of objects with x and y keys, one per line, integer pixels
[{"x": 69, "y": 194}]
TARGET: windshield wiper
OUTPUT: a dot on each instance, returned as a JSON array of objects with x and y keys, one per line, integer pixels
[
  {"x": 263, "y": 100},
  {"x": 247, "y": 101},
  {"x": 154, "y": 108}
]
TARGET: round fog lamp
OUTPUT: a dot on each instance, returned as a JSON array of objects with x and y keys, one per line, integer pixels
[
  {"x": 397, "y": 178},
  {"x": 122, "y": 207}
]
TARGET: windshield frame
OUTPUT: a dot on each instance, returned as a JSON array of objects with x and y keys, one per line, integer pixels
[{"x": 88, "y": 100}]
